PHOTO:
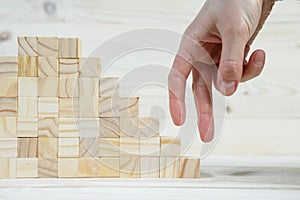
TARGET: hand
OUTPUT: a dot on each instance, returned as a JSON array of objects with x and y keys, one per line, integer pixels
[{"x": 219, "y": 35}]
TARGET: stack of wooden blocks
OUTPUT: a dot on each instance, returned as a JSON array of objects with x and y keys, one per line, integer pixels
[{"x": 60, "y": 119}]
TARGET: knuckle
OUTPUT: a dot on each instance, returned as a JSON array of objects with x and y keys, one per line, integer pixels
[{"x": 229, "y": 68}]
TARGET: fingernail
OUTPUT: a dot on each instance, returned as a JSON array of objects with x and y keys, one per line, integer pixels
[
  {"x": 259, "y": 58},
  {"x": 228, "y": 86}
]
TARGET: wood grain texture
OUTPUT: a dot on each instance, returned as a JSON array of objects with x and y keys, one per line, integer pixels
[
  {"x": 48, "y": 86},
  {"x": 28, "y": 66},
  {"x": 109, "y": 147},
  {"x": 27, "y": 46},
  {"x": 47, "y": 46},
  {"x": 9, "y": 66},
  {"x": 129, "y": 107},
  {"x": 89, "y": 127},
  {"x": 149, "y": 167},
  {"x": 88, "y": 87},
  {"x": 88, "y": 107},
  {"x": 88, "y": 167},
  {"x": 68, "y": 67},
  {"x": 89, "y": 147},
  {"x": 129, "y": 127},
  {"x": 148, "y": 127},
  {"x": 109, "y": 127},
  {"x": 129, "y": 146},
  {"x": 8, "y": 168},
  {"x": 8, "y": 107},
  {"x": 129, "y": 167},
  {"x": 27, "y": 147},
  {"x": 67, "y": 167},
  {"x": 109, "y": 167},
  {"x": 189, "y": 167},
  {"x": 27, "y": 167},
  {"x": 108, "y": 107},
  {"x": 8, "y": 86},
  {"x": 169, "y": 167},
  {"x": 170, "y": 146},
  {"x": 109, "y": 87},
  {"x": 8, "y": 127},
  {"x": 48, "y": 107},
  {"x": 68, "y": 87},
  {"x": 27, "y": 107},
  {"x": 68, "y": 107},
  {"x": 68, "y": 127},
  {"x": 27, "y": 87},
  {"x": 90, "y": 67},
  {"x": 68, "y": 147},
  {"x": 150, "y": 146},
  {"x": 47, "y": 147},
  {"x": 47, "y": 167},
  {"x": 47, "y": 67},
  {"x": 48, "y": 127},
  {"x": 8, "y": 147},
  {"x": 70, "y": 48},
  {"x": 27, "y": 127}
]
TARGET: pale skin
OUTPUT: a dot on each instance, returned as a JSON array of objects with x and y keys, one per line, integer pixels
[{"x": 223, "y": 29}]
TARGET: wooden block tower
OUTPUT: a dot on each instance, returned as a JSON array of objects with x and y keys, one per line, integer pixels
[{"x": 60, "y": 119}]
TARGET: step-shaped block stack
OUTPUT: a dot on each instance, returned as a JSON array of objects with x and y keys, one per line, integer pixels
[{"x": 60, "y": 119}]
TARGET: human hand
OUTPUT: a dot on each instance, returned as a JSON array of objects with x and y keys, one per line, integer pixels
[{"x": 223, "y": 29}]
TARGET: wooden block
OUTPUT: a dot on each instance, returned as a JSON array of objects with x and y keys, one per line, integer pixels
[
  {"x": 170, "y": 146},
  {"x": 90, "y": 67},
  {"x": 27, "y": 167},
  {"x": 8, "y": 127},
  {"x": 48, "y": 87},
  {"x": 27, "y": 87},
  {"x": 89, "y": 127},
  {"x": 148, "y": 127},
  {"x": 149, "y": 167},
  {"x": 68, "y": 147},
  {"x": 69, "y": 67},
  {"x": 67, "y": 167},
  {"x": 47, "y": 67},
  {"x": 48, "y": 127},
  {"x": 109, "y": 167},
  {"x": 88, "y": 107},
  {"x": 48, "y": 168},
  {"x": 47, "y": 46},
  {"x": 169, "y": 167},
  {"x": 8, "y": 86},
  {"x": 88, "y": 167},
  {"x": 150, "y": 146},
  {"x": 48, "y": 107},
  {"x": 68, "y": 87},
  {"x": 68, "y": 127},
  {"x": 129, "y": 127},
  {"x": 27, "y": 46},
  {"x": 108, "y": 107},
  {"x": 129, "y": 146},
  {"x": 109, "y": 87},
  {"x": 27, "y": 127},
  {"x": 27, "y": 147},
  {"x": 89, "y": 147},
  {"x": 189, "y": 167},
  {"x": 109, "y": 147},
  {"x": 70, "y": 48},
  {"x": 8, "y": 107},
  {"x": 8, "y": 168},
  {"x": 47, "y": 147},
  {"x": 9, "y": 66},
  {"x": 129, "y": 107},
  {"x": 8, "y": 147},
  {"x": 88, "y": 87},
  {"x": 129, "y": 167},
  {"x": 109, "y": 127},
  {"x": 27, "y": 106},
  {"x": 68, "y": 107},
  {"x": 28, "y": 66}
]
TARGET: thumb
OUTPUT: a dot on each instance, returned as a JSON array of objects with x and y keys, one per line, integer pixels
[{"x": 231, "y": 64}]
